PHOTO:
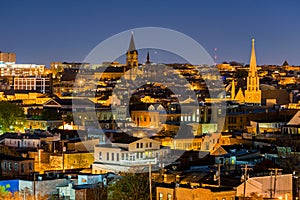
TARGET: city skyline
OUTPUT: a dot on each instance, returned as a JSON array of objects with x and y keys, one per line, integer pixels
[{"x": 58, "y": 31}]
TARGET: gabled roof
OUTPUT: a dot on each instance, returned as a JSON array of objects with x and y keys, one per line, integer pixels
[
  {"x": 295, "y": 120},
  {"x": 52, "y": 103},
  {"x": 219, "y": 151},
  {"x": 120, "y": 137}
]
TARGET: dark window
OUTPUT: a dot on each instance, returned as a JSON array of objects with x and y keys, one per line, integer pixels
[
  {"x": 30, "y": 166},
  {"x": 22, "y": 168}
]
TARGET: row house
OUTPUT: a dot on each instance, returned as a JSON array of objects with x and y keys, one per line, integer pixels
[
  {"x": 125, "y": 154},
  {"x": 19, "y": 140}
]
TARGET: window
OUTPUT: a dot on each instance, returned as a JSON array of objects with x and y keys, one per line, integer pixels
[
  {"x": 161, "y": 196},
  {"x": 22, "y": 168},
  {"x": 137, "y": 145},
  {"x": 30, "y": 166},
  {"x": 100, "y": 155},
  {"x": 107, "y": 156},
  {"x": 4, "y": 165},
  {"x": 141, "y": 145},
  {"x": 122, "y": 156},
  {"x": 10, "y": 166},
  {"x": 16, "y": 166},
  {"x": 112, "y": 156},
  {"x": 147, "y": 145},
  {"x": 169, "y": 197},
  {"x": 150, "y": 144},
  {"x": 117, "y": 156}
]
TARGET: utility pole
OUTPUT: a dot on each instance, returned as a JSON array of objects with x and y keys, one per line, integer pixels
[
  {"x": 275, "y": 179},
  {"x": 218, "y": 174},
  {"x": 34, "y": 189},
  {"x": 271, "y": 194},
  {"x": 150, "y": 181},
  {"x": 246, "y": 169}
]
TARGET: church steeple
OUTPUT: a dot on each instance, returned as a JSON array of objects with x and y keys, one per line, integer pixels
[
  {"x": 148, "y": 58},
  {"x": 232, "y": 90},
  {"x": 253, "y": 93},
  {"x": 253, "y": 70},
  {"x": 131, "y": 44},
  {"x": 132, "y": 54}
]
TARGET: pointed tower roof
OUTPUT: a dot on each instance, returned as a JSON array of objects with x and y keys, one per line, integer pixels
[
  {"x": 232, "y": 89},
  {"x": 131, "y": 44},
  {"x": 252, "y": 70},
  {"x": 285, "y": 63},
  {"x": 148, "y": 58}
]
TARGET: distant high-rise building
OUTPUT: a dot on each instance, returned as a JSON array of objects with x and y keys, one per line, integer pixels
[
  {"x": 7, "y": 57},
  {"x": 253, "y": 93}
]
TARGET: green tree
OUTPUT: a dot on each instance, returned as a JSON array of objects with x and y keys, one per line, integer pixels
[
  {"x": 131, "y": 186},
  {"x": 11, "y": 116},
  {"x": 49, "y": 114},
  {"x": 4, "y": 191}
]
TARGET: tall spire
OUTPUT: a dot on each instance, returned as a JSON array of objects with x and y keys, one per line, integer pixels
[
  {"x": 148, "y": 58},
  {"x": 131, "y": 44},
  {"x": 253, "y": 93},
  {"x": 232, "y": 90},
  {"x": 252, "y": 70}
]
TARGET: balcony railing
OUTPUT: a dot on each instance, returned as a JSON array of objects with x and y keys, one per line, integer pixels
[{"x": 136, "y": 162}]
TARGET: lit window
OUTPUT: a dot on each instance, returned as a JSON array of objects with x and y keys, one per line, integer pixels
[
  {"x": 100, "y": 155},
  {"x": 160, "y": 196},
  {"x": 169, "y": 196}
]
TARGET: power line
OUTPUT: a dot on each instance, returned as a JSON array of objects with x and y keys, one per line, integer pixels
[
  {"x": 275, "y": 179},
  {"x": 246, "y": 169}
]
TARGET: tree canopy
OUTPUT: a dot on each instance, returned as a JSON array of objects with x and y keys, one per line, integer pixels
[
  {"x": 11, "y": 116},
  {"x": 130, "y": 187}
]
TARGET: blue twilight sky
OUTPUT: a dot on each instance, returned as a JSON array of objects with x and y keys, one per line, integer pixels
[{"x": 42, "y": 31}]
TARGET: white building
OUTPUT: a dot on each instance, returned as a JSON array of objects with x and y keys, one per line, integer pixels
[
  {"x": 12, "y": 69},
  {"x": 20, "y": 140},
  {"x": 124, "y": 155},
  {"x": 37, "y": 83},
  {"x": 263, "y": 186}
]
